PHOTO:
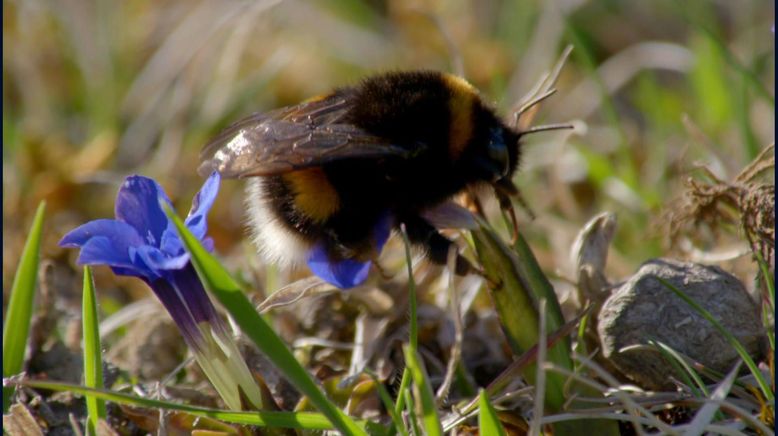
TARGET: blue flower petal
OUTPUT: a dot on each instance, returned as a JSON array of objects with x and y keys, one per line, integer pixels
[
  {"x": 344, "y": 274},
  {"x": 132, "y": 272},
  {"x": 100, "y": 250},
  {"x": 171, "y": 244},
  {"x": 121, "y": 235},
  {"x": 201, "y": 204},
  {"x": 157, "y": 261},
  {"x": 208, "y": 244},
  {"x": 138, "y": 204}
]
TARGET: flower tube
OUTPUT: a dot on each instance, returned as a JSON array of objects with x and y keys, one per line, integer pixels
[{"x": 142, "y": 242}]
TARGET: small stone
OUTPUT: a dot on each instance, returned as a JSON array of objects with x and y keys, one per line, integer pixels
[{"x": 644, "y": 309}]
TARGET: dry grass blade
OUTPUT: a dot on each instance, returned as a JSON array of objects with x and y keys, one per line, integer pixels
[
  {"x": 456, "y": 349},
  {"x": 367, "y": 332},
  {"x": 530, "y": 355},
  {"x": 707, "y": 412},
  {"x": 499, "y": 384},
  {"x": 743, "y": 202},
  {"x": 526, "y": 108},
  {"x": 20, "y": 421},
  {"x": 295, "y": 292},
  {"x": 679, "y": 430},
  {"x": 762, "y": 162},
  {"x": 616, "y": 390}
]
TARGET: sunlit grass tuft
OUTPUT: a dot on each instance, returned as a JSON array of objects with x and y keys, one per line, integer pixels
[
  {"x": 16, "y": 327},
  {"x": 488, "y": 422},
  {"x": 93, "y": 356}
]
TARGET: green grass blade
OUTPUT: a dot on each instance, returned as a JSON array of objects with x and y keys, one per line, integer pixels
[
  {"x": 768, "y": 301},
  {"x": 770, "y": 330},
  {"x": 692, "y": 16},
  {"x": 17, "y": 319},
  {"x": 488, "y": 423},
  {"x": 93, "y": 362},
  {"x": 540, "y": 285},
  {"x": 386, "y": 399},
  {"x": 516, "y": 306},
  {"x": 763, "y": 385},
  {"x": 294, "y": 420},
  {"x": 768, "y": 278},
  {"x": 516, "y": 368},
  {"x": 412, "y": 418},
  {"x": 519, "y": 365},
  {"x": 412, "y": 323},
  {"x": 743, "y": 117},
  {"x": 690, "y": 377},
  {"x": 508, "y": 291},
  {"x": 218, "y": 281},
  {"x": 423, "y": 395},
  {"x": 405, "y": 383}
]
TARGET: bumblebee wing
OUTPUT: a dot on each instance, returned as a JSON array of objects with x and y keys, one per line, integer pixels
[{"x": 309, "y": 134}]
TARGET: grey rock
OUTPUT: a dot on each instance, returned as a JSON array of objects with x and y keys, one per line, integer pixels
[{"x": 643, "y": 309}]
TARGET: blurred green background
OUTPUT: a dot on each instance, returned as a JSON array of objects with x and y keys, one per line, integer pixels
[{"x": 96, "y": 90}]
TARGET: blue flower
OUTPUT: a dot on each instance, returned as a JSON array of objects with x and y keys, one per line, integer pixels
[
  {"x": 347, "y": 273},
  {"x": 142, "y": 242}
]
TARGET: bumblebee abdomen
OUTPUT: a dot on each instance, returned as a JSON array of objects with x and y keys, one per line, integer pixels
[
  {"x": 334, "y": 205},
  {"x": 312, "y": 194},
  {"x": 276, "y": 230}
]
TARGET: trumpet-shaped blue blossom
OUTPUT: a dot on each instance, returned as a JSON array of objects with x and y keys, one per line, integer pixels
[
  {"x": 347, "y": 273},
  {"x": 142, "y": 242}
]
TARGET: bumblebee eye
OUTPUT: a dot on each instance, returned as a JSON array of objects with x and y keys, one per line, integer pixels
[{"x": 497, "y": 151}]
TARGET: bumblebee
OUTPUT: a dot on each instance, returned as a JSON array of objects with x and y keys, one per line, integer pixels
[{"x": 328, "y": 179}]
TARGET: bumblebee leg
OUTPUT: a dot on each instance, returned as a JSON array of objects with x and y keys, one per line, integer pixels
[
  {"x": 505, "y": 190},
  {"x": 423, "y": 233},
  {"x": 506, "y": 205}
]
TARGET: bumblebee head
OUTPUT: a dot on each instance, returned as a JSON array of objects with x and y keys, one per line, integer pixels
[{"x": 499, "y": 154}]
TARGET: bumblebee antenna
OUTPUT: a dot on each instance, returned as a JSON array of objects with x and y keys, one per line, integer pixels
[
  {"x": 530, "y": 104},
  {"x": 541, "y": 91},
  {"x": 546, "y": 128}
]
